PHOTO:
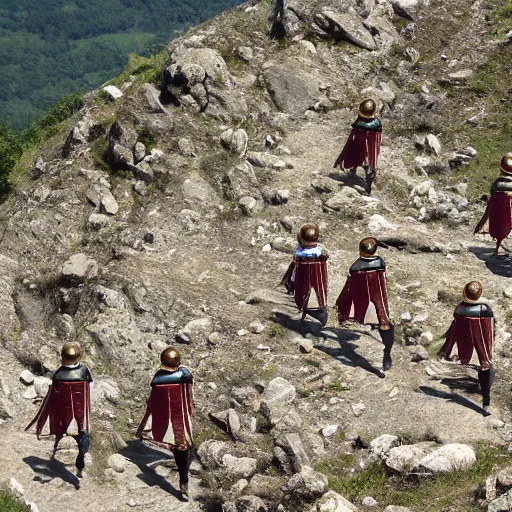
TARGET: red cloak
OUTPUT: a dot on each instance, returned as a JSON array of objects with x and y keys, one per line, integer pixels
[
  {"x": 361, "y": 145},
  {"x": 310, "y": 273},
  {"x": 170, "y": 408},
  {"x": 470, "y": 333},
  {"x": 66, "y": 410},
  {"x": 497, "y": 219},
  {"x": 363, "y": 291}
]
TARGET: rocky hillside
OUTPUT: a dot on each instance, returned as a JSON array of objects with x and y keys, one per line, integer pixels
[{"x": 166, "y": 212}]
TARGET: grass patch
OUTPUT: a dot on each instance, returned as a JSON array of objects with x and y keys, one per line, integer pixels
[
  {"x": 8, "y": 503},
  {"x": 146, "y": 69},
  {"x": 446, "y": 492}
]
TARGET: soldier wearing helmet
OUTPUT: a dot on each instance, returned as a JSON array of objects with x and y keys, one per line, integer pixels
[
  {"x": 363, "y": 144},
  {"x": 497, "y": 219},
  {"x": 66, "y": 408},
  {"x": 170, "y": 408},
  {"x": 364, "y": 298},
  {"x": 473, "y": 328},
  {"x": 308, "y": 271}
]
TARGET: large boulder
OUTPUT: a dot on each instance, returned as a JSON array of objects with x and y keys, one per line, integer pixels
[
  {"x": 403, "y": 458},
  {"x": 292, "y": 90},
  {"x": 451, "y": 457},
  {"x": 333, "y": 502}
]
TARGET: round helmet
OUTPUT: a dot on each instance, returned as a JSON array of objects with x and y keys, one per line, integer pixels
[
  {"x": 71, "y": 353},
  {"x": 309, "y": 234},
  {"x": 368, "y": 246},
  {"x": 170, "y": 359},
  {"x": 367, "y": 108},
  {"x": 472, "y": 291},
  {"x": 506, "y": 164}
]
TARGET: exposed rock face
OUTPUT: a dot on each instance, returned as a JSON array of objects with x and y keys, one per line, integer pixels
[
  {"x": 293, "y": 91},
  {"x": 79, "y": 268}
]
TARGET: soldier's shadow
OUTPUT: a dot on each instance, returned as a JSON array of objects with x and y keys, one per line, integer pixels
[
  {"x": 145, "y": 457},
  {"x": 346, "y": 353},
  {"x": 47, "y": 469},
  {"x": 453, "y": 397},
  {"x": 348, "y": 179},
  {"x": 499, "y": 265}
]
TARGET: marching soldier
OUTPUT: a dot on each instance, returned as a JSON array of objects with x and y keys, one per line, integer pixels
[
  {"x": 364, "y": 298},
  {"x": 308, "y": 271},
  {"x": 363, "y": 143},
  {"x": 66, "y": 409},
  {"x": 170, "y": 408},
  {"x": 473, "y": 328},
  {"x": 497, "y": 219}
]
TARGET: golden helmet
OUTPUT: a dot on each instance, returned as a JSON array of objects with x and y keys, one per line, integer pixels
[
  {"x": 368, "y": 246},
  {"x": 170, "y": 359},
  {"x": 309, "y": 234},
  {"x": 506, "y": 164},
  {"x": 472, "y": 291},
  {"x": 71, "y": 353},
  {"x": 367, "y": 108}
]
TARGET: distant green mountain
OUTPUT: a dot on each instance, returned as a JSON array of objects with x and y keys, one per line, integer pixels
[{"x": 49, "y": 48}]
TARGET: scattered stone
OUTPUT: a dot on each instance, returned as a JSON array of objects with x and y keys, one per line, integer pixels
[
  {"x": 79, "y": 268},
  {"x": 406, "y": 316},
  {"x": 394, "y": 392},
  {"x": 117, "y": 462},
  {"x": 346, "y": 197},
  {"x": 247, "y": 204},
  {"x": 250, "y": 504},
  {"x": 27, "y": 377},
  {"x": 396, "y": 508},
  {"x": 450, "y": 457},
  {"x": 402, "y": 458},
  {"x": 113, "y": 92},
  {"x": 279, "y": 391},
  {"x": 358, "y": 409},
  {"x": 382, "y": 444},
  {"x": 292, "y": 445},
  {"x": 98, "y": 221},
  {"x": 215, "y": 338},
  {"x": 418, "y": 353},
  {"x": 378, "y": 223},
  {"x": 235, "y": 141},
  {"x": 330, "y": 430},
  {"x": 256, "y": 327},
  {"x": 41, "y": 386},
  {"x": 308, "y": 484},
  {"x": 369, "y": 502},
  {"x": 504, "y": 477},
  {"x": 7, "y": 410},
  {"x": 245, "y": 53},
  {"x": 333, "y": 502},
  {"x": 244, "y": 466},
  {"x": 277, "y": 197},
  {"x": 306, "y": 346}
]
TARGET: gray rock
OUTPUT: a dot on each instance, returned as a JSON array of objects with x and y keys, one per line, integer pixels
[
  {"x": 250, "y": 504},
  {"x": 153, "y": 103},
  {"x": 404, "y": 8},
  {"x": 333, "y": 502},
  {"x": 419, "y": 353},
  {"x": 346, "y": 197},
  {"x": 256, "y": 327},
  {"x": 432, "y": 144},
  {"x": 197, "y": 190},
  {"x": 79, "y": 268},
  {"x": 233, "y": 421},
  {"x": 504, "y": 477},
  {"x": 501, "y": 504},
  {"x": 241, "y": 181},
  {"x": 113, "y": 92},
  {"x": 27, "y": 377},
  {"x": 369, "y": 502},
  {"x": 239, "y": 486},
  {"x": 30, "y": 393},
  {"x": 325, "y": 185},
  {"x": 279, "y": 392},
  {"x": 144, "y": 172},
  {"x": 402, "y": 458},
  {"x": 259, "y": 159},
  {"x": 117, "y": 462},
  {"x": 292, "y": 445},
  {"x": 448, "y": 458},
  {"x": 281, "y": 417},
  {"x": 139, "y": 152},
  {"x": 382, "y": 445},
  {"x": 211, "y": 452},
  {"x": 243, "y": 466},
  {"x": 378, "y": 223},
  {"x": 98, "y": 221},
  {"x": 396, "y": 508},
  {"x": 105, "y": 391},
  {"x": 293, "y": 91},
  {"x": 348, "y": 26},
  {"x": 199, "y": 326},
  {"x": 306, "y": 346},
  {"x": 245, "y": 53},
  {"x": 186, "y": 147},
  {"x": 41, "y": 385},
  {"x": 6, "y": 408},
  {"x": 307, "y": 485},
  {"x": 235, "y": 141}
]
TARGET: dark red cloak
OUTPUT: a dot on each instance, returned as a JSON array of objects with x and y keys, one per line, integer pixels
[
  {"x": 361, "y": 145},
  {"x": 66, "y": 410},
  {"x": 363, "y": 291},
  {"x": 170, "y": 408},
  {"x": 470, "y": 333},
  {"x": 310, "y": 273},
  {"x": 497, "y": 219}
]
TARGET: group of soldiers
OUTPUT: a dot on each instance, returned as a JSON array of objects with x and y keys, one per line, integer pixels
[{"x": 364, "y": 299}]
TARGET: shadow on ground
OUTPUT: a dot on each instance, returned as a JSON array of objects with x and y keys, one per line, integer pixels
[
  {"x": 146, "y": 459},
  {"x": 346, "y": 354},
  {"x": 453, "y": 397},
  {"x": 499, "y": 265},
  {"x": 348, "y": 179},
  {"x": 47, "y": 469}
]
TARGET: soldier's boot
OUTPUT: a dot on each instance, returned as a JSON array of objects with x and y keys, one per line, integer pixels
[
  {"x": 486, "y": 378},
  {"x": 388, "y": 339},
  {"x": 319, "y": 314},
  {"x": 370, "y": 177}
]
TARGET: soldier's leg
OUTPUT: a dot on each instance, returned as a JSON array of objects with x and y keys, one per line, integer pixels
[
  {"x": 82, "y": 441},
  {"x": 388, "y": 339},
  {"x": 182, "y": 458},
  {"x": 55, "y": 445},
  {"x": 486, "y": 378},
  {"x": 370, "y": 177}
]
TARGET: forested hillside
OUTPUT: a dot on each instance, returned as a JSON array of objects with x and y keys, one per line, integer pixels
[{"x": 55, "y": 47}]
